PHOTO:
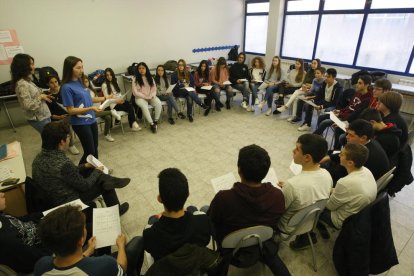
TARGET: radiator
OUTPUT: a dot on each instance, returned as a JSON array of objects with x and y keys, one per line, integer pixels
[{"x": 408, "y": 101}]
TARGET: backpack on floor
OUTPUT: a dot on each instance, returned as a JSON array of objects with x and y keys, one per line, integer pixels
[
  {"x": 132, "y": 69},
  {"x": 44, "y": 73},
  {"x": 97, "y": 77}
]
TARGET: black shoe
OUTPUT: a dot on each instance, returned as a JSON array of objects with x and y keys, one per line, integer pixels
[
  {"x": 219, "y": 104},
  {"x": 123, "y": 208},
  {"x": 204, "y": 106},
  {"x": 115, "y": 183},
  {"x": 171, "y": 121},
  {"x": 181, "y": 115},
  {"x": 154, "y": 128},
  {"x": 302, "y": 241},
  {"x": 227, "y": 105},
  {"x": 276, "y": 112},
  {"x": 323, "y": 231},
  {"x": 117, "y": 122},
  {"x": 207, "y": 111},
  {"x": 295, "y": 120},
  {"x": 190, "y": 118},
  {"x": 218, "y": 108}
]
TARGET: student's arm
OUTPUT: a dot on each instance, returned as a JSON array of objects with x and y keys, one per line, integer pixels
[
  {"x": 104, "y": 89},
  {"x": 213, "y": 77},
  {"x": 29, "y": 101},
  {"x": 153, "y": 90},
  {"x": 232, "y": 75},
  {"x": 287, "y": 191},
  {"x": 339, "y": 196},
  {"x": 121, "y": 258},
  {"x": 247, "y": 75}
]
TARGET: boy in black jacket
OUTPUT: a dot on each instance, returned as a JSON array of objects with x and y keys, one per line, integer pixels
[{"x": 240, "y": 78}]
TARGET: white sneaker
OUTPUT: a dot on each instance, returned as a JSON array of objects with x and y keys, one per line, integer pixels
[
  {"x": 268, "y": 112},
  {"x": 256, "y": 102},
  {"x": 290, "y": 119},
  {"x": 250, "y": 109},
  {"x": 115, "y": 114},
  {"x": 109, "y": 138},
  {"x": 261, "y": 104},
  {"x": 135, "y": 127},
  {"x": 304, "y": 127},
  {"x": 282, "y": 108},
  {"x": 73, "y": 150},
  {"x": 244, "y": 105}
]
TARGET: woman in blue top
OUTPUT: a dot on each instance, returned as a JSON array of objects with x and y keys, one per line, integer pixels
[{"x": 79, "y": 104}]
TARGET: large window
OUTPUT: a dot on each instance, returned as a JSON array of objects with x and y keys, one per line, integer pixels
[
  {"x": 361, "y": 34},
  {"x": 255, "y": 34}
]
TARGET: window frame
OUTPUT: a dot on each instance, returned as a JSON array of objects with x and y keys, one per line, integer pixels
[
  {"x": 245, "y": 21},
  {"x": 365, "y": 11}
]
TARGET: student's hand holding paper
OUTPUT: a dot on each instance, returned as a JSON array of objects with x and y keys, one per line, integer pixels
[
  {"x": 281, "y": 184},
  {"x": 121, "y": 241},
  {"x": 91, "y": 247},
  {"x": 89, "y": 166},
  {"x": 100, "y": 168},
  {"x": 96, "y": 109}
]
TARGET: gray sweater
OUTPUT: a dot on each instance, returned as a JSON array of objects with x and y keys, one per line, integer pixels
[{"x": 59, "y": 178}]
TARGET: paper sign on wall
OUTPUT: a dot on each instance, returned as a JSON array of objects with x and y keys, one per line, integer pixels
[{"x": 9, "y": 46}]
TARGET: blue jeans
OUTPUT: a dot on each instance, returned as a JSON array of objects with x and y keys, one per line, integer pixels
[
  {"x": 171, "y": 104},
  {"x": 244, "y": 89},
  {"x": 269, "y": 95},
  {"x": 254, "y": 87},
  {"x": 227, "y": 88},
  {"x": 189, "y": 97},
  {"x": 39, "y": 125}
]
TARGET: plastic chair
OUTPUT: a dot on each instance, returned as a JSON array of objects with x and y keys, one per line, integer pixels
[
  {"x": 304, "y": 222},
  {"x": 384, "y": 180}
]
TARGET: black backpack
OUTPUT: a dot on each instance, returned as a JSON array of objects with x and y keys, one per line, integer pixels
[
  {"x": 97, "y": 77},
  {"x": 6, "y": 88},
  {"x": 233, "y": 53},
  {"x": 355, "y": 76},
  {"x": 132, "y": 69},
  {"x": 171, "y": 65},
  {"x": 44, "y": 73}
]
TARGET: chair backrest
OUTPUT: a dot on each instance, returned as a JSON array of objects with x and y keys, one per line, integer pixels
[
  {"x": 306, "y": 219},
  {"x": 383, "y": 181},
  {"x": 247, "y": 237}
]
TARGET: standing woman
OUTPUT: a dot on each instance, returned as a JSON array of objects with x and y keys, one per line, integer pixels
[
  {"x": 202, "y": 78},
  {"x": 110, "y": 89},
  {"x": 79, "y": 104},
  {"x": 185, "y": 83},
  {"x": 145, "y": 92},
  {"x": 257, "y": 77},
  {"x": 31, "y": 98},
  {"x": 219, "y": 77},
  {"x": 161, "y": 81}
]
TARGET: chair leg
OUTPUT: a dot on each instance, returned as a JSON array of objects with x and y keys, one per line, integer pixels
[
  {"x": 313, "y": 251},
  {"x": 122, "y": 126}
]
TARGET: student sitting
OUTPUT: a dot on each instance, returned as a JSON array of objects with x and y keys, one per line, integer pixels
[
  {"x": 326, "y": 97},
  {"x": 311, "y": 185},
  {"x": 176, "y": 226},
  {"x": 110, "y": 89},
  {"x": 249, "y": 203},
  {"x": 294, "y": 81},
  {"x": 352, "y": 192},
  {"x": 218, "y": 76},
  {"x": 161, "y": 81},
  {"x": 311, "y": 73},
  {"x": 257, "y": 76},
  {"x": 63, "y": 232},
  {"x": 62, "y": 181},
  {"x": 387, "y": 134},
  {"x": 185, "y": 83},
  {"x": 57, "y": 110},
  {"x": 202, "y": 79},
  {"x": 240, "y": 78},
  {"x": 274, "y": 78},
  {"x": 145, "y": 92},
  {"x": 19, "y": 241}
]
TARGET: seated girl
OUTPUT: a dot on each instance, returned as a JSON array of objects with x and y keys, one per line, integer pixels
[
  {"x": 57, "y": 109},
  {"x": 161, "y": 81},
  {"x": 292, "y": 83},
  {"x": 257, "y": 76},
  {"x": 105, "y": 115},
  {"x": 145, "y": 92},
  {"x": 110, "y": 89},
  {"x": 219, "y": 77},
  {"x": 202, "y": 81},
  {"x": 185, "y": 88}
]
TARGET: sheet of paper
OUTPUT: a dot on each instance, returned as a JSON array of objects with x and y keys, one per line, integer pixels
[
  {"x": 189, "y": 88},
  {"x": 295, "y": 168},
  {"x": 341, "y": 124},
  {"x": 310, "y": 103},
  {"x": 96, "y": 163},
  {"x": 106, "y": 225},
  {"x": 224, "y": 182},
  {"x": 242, "y": 80},
  {"x": 227, "y": 83},
  {"x": 3, "y": 53},
  {"x": 271, "y": 177},
  {"x": 4, "y": 173},
  {"x": 263, "y": 86},
  {"x": 207, "y": 87},
  {"x": 107, "y": 103},
  {"x": 13, "y": 50},
  {"x": 5, "y": 36},
  {"x": 73, "y": 203},
  {"x": 170, "y": 88}
]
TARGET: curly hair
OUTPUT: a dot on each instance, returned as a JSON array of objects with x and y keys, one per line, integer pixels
[
  {"x": 261, "y": 63},
  {"x": 20, "y": 67}
]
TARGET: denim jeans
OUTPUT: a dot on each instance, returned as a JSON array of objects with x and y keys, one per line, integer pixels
[
  {"x": 254, "y": 88},
  {"x": 227, "y": 88},
  {"x": 171, "y": 104},
  {"x": 323, "y": 123},
  {"x": 269, "y": 95},
  {"x": 244, "y": 89},
  {"x": 39, "y": 125}
]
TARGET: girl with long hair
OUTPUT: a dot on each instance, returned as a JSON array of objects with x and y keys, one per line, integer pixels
[
  {"x": 202, "y": 79},
  {"x": 185, "y": 88},
  {"x": 292, "y": 83},
  {"x": 257, "y": 76},
  {"x": 219, "y": 77},
  {"x": 31, "y": 98},
  {"x": 145, "y": 92},
  {"x": 162, "y": 83},
  {"x": 110, "y": 89}
]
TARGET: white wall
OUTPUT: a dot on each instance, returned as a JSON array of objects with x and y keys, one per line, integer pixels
[{"x": 110, "y": 33}]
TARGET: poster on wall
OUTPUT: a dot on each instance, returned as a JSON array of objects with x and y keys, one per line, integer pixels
[{"x": 9, "y": 46}]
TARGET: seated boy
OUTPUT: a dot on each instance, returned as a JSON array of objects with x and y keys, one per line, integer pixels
[
  {"x": 353, "y": 192},
  {"x": 311, "y": 185}
]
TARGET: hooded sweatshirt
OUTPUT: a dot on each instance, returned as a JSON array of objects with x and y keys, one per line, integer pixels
[
  {"x": 358, "y": 102},
  {"x": 389, "y": 139},
  {"x": 244, "y": 206}
]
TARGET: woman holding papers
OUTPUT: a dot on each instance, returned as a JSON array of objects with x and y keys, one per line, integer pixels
[
  {"x": 257, "y": 76},
  {"x": 164, "y": 93},
  {"x": 79, "y": 105},
  {"x": 145, "y": 92},
  {"x": 30, "y": 97},
  {"x": 219, "y": 77},
  {"x": 105, "y": 115},
  {"x": 185, "y": 88},
  {"x": 111, "y": 90},
  {"x": 203, "y": 86}
]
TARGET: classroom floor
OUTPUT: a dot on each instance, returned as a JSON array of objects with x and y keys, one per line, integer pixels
[{"x": 206, "y": 149}]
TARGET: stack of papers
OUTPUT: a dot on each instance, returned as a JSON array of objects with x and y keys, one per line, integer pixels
[{"x": 96, "y": 163}]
